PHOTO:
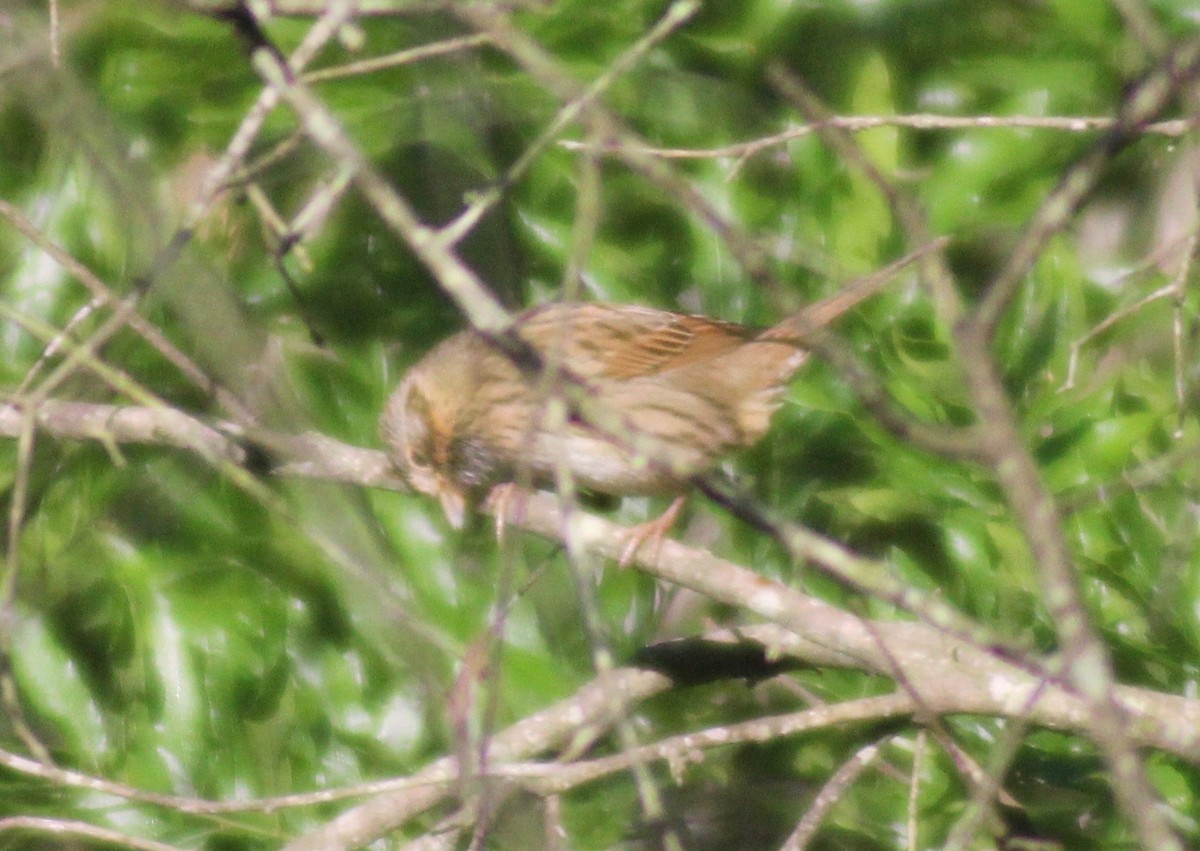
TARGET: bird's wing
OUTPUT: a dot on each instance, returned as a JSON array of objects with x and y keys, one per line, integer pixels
[{"x": 626, "y": 341}]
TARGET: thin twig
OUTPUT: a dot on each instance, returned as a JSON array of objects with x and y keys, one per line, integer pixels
[
  {"x": 1107, "y": 322},
  {"x": 1141, "y": 105},
  {"x": 395, "y": 60},
  {"x": 935, "y": 272},
  {"x": 103, "y": 294},
  {"x": 832, "y": 791},
  {"x": 1085, "y": 659},
  {"x": 68, "y": 829},
  {"x": 579, "y": 103},
  {"x": 860, "y": 123},
  {"x": 914, "y": 790}
]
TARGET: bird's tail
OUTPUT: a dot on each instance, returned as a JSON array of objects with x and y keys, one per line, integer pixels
[{"x": 797, "y": 327}]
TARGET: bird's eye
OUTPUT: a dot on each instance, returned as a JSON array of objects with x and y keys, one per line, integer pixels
[
  {"x": 417, "y": 450},
  {"x": 418, "y": 456}
]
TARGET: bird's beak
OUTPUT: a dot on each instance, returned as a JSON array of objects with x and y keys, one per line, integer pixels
[{"x": 454, "y": 504}]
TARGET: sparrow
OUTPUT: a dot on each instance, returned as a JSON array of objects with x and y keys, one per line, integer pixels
[{"x": 626, "y": 400}]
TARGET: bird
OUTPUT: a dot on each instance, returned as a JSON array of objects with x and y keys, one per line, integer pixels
[{"x": 626, "y": 400}]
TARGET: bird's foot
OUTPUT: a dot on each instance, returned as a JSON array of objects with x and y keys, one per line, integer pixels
[
  {"x": 652, "y": 530},
  {"x": 507, "y": 502}
]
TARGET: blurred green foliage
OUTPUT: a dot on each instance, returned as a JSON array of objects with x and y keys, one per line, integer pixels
[{"x": 170, "y": 632}]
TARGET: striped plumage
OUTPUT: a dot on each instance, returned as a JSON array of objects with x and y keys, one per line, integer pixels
[{"x": 672, "y": 394}]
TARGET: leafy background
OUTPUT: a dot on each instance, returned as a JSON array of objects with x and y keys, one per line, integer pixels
[{"x": 166, "y": 630}]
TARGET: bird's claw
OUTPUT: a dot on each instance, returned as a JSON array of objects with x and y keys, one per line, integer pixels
[
  {"x": 502, "y": 500},
  {"x": 652, "y": 530}
]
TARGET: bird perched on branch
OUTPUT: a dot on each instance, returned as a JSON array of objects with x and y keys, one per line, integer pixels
[{"x": 646, "y": 399}]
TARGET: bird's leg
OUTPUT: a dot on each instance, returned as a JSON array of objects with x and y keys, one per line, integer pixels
[
  {"x": 503, "y": 499},
  {"x": 652, "y": 530}
]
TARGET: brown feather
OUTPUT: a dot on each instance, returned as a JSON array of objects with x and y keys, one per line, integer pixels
[
  {"x": 682, "y": 392},
  {"x": 627, "y": 341}
]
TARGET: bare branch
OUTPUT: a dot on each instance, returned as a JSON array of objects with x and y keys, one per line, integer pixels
[{"x": 859, "y": 123}]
